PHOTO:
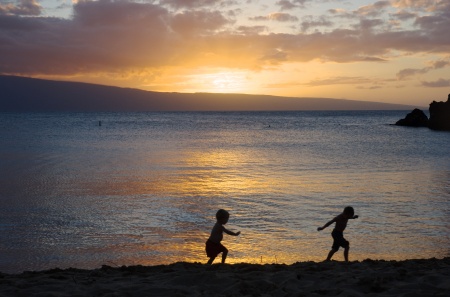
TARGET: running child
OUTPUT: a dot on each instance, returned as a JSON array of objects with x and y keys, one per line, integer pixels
[
  {"x": 338, "y": 232},
  {"x": 213, "y": 245}
]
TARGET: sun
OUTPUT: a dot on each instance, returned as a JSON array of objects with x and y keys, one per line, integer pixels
[
  {"x": 203, "y": 81},
  {"x": 224, "y": 82}
]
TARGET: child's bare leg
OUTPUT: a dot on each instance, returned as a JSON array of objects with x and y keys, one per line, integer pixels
[
  {"x": 330, "y": 254},
  {"x": 211, "y": 260},
  {"x": 346, "y": 253},
  {"x": 224, "y": 255}
]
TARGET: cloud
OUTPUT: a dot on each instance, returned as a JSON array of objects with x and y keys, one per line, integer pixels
[
  {"x": 102, "y": 36},
  {"x": 342, "y": 13},
  {"x": 404, "y": 15},
  {"x": 251, "y": 30},
  {"x": 289, "y": 5},
  {"x": 369, "y": 88},
  {"x": 427, "y": 5},
  {"x": 195, "y": 4},
  {"x": 197, "y": 22},
  {"x": 358, "y": 82},
  {"x": 311, "y": 22},
  {"x": 408, "y": 72},
  {"x": 364, "y": 12},
  {"x": 369, "y": 24},
  {"x": 282, "y": 17},
  {"x": 110, "y": 36},
  {"x": 440, "y": 83},
  {"x": 276, "y": 16},
  {"x": 339, "y": 80},
  {"x": 373, "y": 10},
  {"x": 23, "y": 7},
  {"x": 435, "y": 23},
  {"x": 440, "y": 64},
  {"x": 275, "y": 57}
]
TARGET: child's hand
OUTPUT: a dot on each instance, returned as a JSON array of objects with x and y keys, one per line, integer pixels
[
  {"x": 319, "y": 229},
  {"x": 355, "y": 217},
  {"x": 237, "y": 233}
]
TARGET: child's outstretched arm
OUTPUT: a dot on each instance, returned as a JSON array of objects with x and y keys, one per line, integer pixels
[
  {"x": 355, "y": 217},
  {"x": 326, "y": 225},
  {"x": 231, "y": 232}
]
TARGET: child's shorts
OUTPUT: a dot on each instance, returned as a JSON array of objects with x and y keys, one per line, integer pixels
[
  {"x": 213, "y": 249},
  {"x": 339, "y": 240}
]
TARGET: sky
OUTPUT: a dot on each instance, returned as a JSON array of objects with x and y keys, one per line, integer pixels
[{"x": 393, "y": 51}]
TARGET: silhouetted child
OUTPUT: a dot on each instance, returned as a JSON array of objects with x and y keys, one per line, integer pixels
[
  {"x": 213, "y": 245},
  {"x": 338, "y": 232}
]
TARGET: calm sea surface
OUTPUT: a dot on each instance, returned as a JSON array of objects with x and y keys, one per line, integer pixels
[{"x": 143, "y": 188}]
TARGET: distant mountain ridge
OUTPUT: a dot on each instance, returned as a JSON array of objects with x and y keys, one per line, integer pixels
[{"x": 30, "y": 94}]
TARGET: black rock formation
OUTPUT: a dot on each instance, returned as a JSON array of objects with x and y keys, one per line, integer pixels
[
  {"x": 440, "y": 115},
  {"x": 416, "y": 118}
]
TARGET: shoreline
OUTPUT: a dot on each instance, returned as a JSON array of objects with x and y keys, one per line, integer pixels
[{"x": 415, "y": 277}]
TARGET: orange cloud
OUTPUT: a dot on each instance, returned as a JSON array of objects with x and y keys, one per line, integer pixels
[{"x": 24, "y": 7}]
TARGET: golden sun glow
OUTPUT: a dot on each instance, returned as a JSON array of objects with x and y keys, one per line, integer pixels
[{"x": 224, "y": 82}]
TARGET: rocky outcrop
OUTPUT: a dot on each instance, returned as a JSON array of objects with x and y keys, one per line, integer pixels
[
  {"x": 416, "y": 118},
  {"x": 440, "y": 115}
]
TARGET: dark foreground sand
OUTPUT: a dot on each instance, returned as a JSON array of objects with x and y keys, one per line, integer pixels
[{"x": 367, "y": 278}]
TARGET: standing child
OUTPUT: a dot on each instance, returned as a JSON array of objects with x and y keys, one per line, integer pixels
[
  {"x": 213, "y": 245},
  {"x": 338, "y": 232}
]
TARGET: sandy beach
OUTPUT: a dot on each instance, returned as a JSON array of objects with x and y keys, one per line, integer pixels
[{"x": 367, "y": 278}]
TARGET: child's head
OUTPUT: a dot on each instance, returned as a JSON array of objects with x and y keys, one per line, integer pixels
[
  {"x": 349, "y": 211},
  {"x": 222, "y": 216}
]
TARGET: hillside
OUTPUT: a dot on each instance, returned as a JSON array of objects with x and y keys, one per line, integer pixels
[{"x": 29, "y": 94}]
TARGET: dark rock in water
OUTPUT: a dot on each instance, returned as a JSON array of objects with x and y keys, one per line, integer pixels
[
  {"x": 440, "y": 115},
  {"x": 416, "y": 118}
]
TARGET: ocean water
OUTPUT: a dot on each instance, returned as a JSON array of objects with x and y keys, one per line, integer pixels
[{"x": 143, "y": 188}]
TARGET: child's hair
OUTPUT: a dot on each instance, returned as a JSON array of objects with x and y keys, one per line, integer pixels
[
  {"x": 222, "y": 214},
  {"x": 349, "y": 211}
]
